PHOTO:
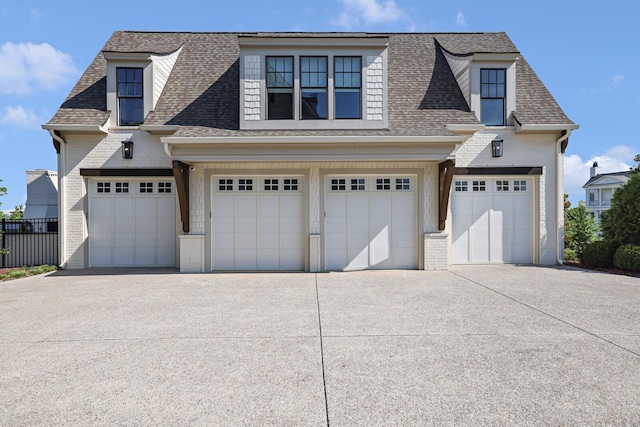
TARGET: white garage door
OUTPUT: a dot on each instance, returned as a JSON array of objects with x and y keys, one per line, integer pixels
[
  {"x": 132, "y": 223},
  {"x": 492, "y": 220},
  {"x": 257, "y": 223},
  {"x": 370, "y": 222}
]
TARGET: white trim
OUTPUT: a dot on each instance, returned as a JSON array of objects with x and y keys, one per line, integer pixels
[
  {"x": 281, "y": 42},
  {"x": 532, "y": 128},
  {"x": 75, "y": 128},
  {"x": 297, "y": 139}
]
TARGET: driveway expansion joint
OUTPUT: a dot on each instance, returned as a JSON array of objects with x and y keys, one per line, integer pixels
[
  {"x": 547, "y": 314},
  {"x": 324, "y": 381}
]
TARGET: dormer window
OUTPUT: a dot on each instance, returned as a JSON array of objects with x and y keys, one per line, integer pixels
[
  {"x": 348, "y": 84},
  {"x": 280, "y": 87},
  {"x": 130, "y": 96},
  {"x": 492, "y": 95},
  {"x": 313, "y": 87}
]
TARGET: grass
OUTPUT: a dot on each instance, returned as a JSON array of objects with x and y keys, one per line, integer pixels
[{"x": 17, "y": 273}]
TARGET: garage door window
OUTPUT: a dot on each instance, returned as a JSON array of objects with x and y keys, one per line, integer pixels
[
  {"x": 462, "y": 186},
  {"x": 291, "y": 184},
  {"x": 164, "y": 187},
  {"x": 519, "y": 185},
  {"x": 502, "y": 185},
  {"x": 122, "y": 187},
  {"x": 339, "y": 184},
  {"x": 146, "y": 187},
  {"x": 358, "y": 184},
  {"x": 104, "y": 187},
  {"x": 225, "y": 184},
  {"x": 245, "y": 184},
  {"x": 480, "y": 185}
]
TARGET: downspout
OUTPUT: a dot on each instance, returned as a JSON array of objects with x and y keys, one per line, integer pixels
[
  {"x": 62, "y": 167},
  {"x": 561, "y": 145}
]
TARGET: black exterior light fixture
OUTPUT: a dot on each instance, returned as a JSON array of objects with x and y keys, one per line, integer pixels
[
  {"x": 496, "y": 147},
  {"x": 127, "y": 149}
]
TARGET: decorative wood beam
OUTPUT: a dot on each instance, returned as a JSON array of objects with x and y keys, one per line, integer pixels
[
  {"x": 526, "y": 170},
  {"x": 181, "y": 175},
  {"x": 125, "y": 172},
  {"x": 444, "y": 185}
]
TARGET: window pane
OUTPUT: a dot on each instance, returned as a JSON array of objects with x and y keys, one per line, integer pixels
[
  {"x": 314, "y": 104},
  {"x": 339, "y": 65},
  {"x": 304, "y": 64},
  {"x": 339, "y": 80},
  {"x": 501, "y": 74},
  {"x": 288, "y": 65},
  {"x": 131, "y": 111},
  {"x": 304, "y": 80},
  {"x": 322, "y": 64},
  {"x": 280, "y": 105},
  {"x": 493, "y": 112},
  {"x": 348, "y": 104}
]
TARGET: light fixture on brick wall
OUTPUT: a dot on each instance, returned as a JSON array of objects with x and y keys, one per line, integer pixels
[
  {"x": 127, "y": 149},
  {"x": 496, "y": 147}
]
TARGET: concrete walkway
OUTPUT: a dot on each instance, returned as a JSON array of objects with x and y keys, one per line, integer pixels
[{"x": 477, "y": 345}]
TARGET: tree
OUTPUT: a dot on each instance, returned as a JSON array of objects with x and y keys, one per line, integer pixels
[
  {"x": 621, "y": 224},
  {"x": 581, "y": 228},
  {"x": 17, "y": 212}
]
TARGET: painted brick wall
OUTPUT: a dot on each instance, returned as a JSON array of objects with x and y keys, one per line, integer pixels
[
  {"x": 521, "y": 150},
  {"x": 87, "y": 151}
]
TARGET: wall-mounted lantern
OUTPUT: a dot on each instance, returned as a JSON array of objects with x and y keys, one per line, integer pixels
[
  {"x": 496, "y": 148},
  {"x": 127, "y": 149}
]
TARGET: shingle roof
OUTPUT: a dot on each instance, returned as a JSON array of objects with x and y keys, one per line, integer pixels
[
  {"x": 202, "y": 92},
  {"x": 623, "y": 174}
]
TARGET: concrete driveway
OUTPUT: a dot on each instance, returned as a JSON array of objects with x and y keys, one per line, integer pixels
[{"x": 477, "y": 345}]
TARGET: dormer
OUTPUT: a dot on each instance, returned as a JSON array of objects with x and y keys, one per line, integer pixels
[
  {"x": 135, "y": 81},
  {"x": 488, "y": 83},
  {"x": 289, "y": 82}
]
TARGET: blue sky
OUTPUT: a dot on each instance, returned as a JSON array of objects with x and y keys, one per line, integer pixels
[{"x": 586, "y": 53}]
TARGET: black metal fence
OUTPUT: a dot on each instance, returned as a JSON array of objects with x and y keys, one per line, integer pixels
[{"x": 29, "y": 242}]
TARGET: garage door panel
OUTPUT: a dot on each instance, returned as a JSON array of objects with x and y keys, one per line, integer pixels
[
  {"x": 269, "y": 241},
  {"x": 222, "y": 258},
  {"x": 145, "y": 225},
  {"x": 381, "y": 205},
  {"x": 291, "y": 206},
  {"x": 245, "y": 224},
  {"x": 265, "y": 222},
  {"x": 101, "y": 256},
  {"x": 246, "y": 259},
  {"x": 500, "y": 226},
  {"x": 102, "y": 240},
  {"x": 102, "y": 226},
  {"x": 224, "y": 206},
  {"x": 357, "y": 224},
  {"x": 165, "y": 240},
  {"x": 223, "y": 240},
  {"x": 101, "y": 208},
  {"x": 246, "y": 206},
  {"x": 123, "y": 240},
  {"x": 269, "y": 224},
  {"x": 166, "y": 208},
  {"x": 376, "y": 214},
  {"x": 335, "y": 241},
  {"x": 291, "y": 259},
  {"x": 402, "y": 257}
]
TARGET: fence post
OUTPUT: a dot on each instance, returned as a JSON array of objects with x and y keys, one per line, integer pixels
[{"x": 4, "y": 242}]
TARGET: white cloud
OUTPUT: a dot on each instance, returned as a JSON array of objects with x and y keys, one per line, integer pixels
[
  {"x": 369, "y": 11},
  {"x": 19, "y": 117},
  {"x": 25, "y": 67},
  {"x": 614, "y": 82},
  {"x": 577, "y": 171},
  {"x": 460, "y": 19},
  {"x": 34, "y": 13}
]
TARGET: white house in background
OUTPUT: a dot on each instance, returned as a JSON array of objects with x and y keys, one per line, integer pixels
[
  {"x": 42, "y": 194},
  {"x": 600, "y": 188},
  {"x": 309, "y": 152}
]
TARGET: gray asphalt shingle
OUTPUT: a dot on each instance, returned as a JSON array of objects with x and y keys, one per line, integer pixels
[{"x": 202, "y": 93}]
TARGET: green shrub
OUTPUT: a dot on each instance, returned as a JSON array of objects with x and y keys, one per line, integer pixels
[
  {"x": 598, "y": 254},
  {"x": 627, "y": 257},
  {"x": 570, "y": 255}
]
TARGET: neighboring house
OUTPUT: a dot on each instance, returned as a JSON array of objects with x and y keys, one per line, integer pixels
[
  {"x": 310, "y": 152},
  {"x": 42, "y": 195},
  {"x": 600, "y": 188}
]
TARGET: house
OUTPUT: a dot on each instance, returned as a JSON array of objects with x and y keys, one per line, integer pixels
[
  {"x": 600, "y": 188},
  {"x": 309, "y": 152},
  {"x": 41, "y": 207},
  {"x": 42, "y": 194}
]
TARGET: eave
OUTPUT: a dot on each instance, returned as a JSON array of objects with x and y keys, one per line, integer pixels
[
  {"x": 102, "y": 129},
  {"x": 160, "y": 129},
  {"x": 310, "y": 148},
  {"x": 543, "y": 128}
]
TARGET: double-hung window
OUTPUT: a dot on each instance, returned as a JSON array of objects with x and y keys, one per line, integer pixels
[
  {"x": 492, "y": 95},
  {"x": 348, "y": 86},
  {"x": 280, "y": 87},
  {"x": 130, "y": 99},
  {"x": 313, "y": 87}
]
